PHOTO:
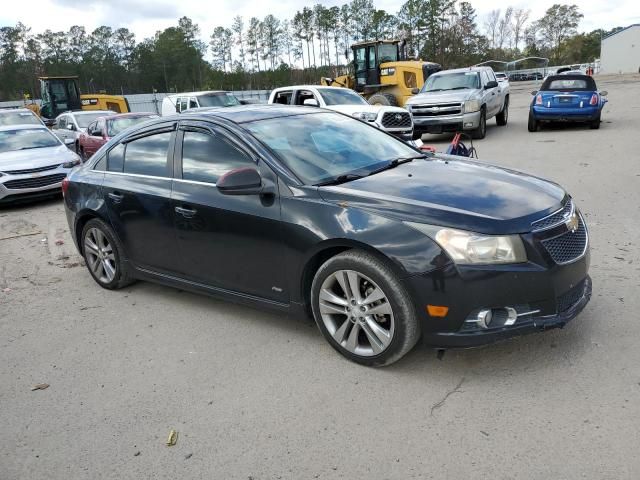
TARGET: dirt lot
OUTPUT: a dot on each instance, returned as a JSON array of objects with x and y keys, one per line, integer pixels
[{"x": 255, "y": 395}]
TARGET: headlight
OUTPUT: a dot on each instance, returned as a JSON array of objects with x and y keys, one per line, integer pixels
[
  {"x": 471, "y": 106},
  {"x": 71, "y": 164},
  {"x": 469, "y": 248},
  {"x": 387, "y": 71},
  {"x": 366, "y": 116}
]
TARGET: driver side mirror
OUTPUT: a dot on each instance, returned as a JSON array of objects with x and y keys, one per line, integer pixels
[
  {"x": 71, "y": 126},
  {"x": 491, "y": 84},
  {"x": 311, "y": 102},
  {"x": 415, "y": 91},
  {"x": 240, "y": 181}
]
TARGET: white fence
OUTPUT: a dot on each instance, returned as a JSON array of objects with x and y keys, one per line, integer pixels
[{"x": 152, "y": 102}]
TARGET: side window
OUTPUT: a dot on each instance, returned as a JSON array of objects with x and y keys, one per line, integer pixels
[
  {"x": 360, "y": 59},
  {"x": 91, "y": 129},
  {"x": 206, "y": 157},
  {"x": 193, "y": 103},
  {"x": 283, "y": 98},
  {"x": 372, "y": 57},
  {"x": 183, "y": 104},
  {"x": 148, "y": 155},
  {"x": 492, "y": 76},
  {"x": 101, "y": 165},
  {"x": 61, "y": 123},
  {"x": 305, "y": 95},
  {"x": 485, "y": 78},
  {"x": 115, "y": 158}
]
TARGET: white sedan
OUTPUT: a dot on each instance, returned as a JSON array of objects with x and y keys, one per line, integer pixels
[
  {"x": 33, "y": 163},
  {"x": 394, "y": 120}
]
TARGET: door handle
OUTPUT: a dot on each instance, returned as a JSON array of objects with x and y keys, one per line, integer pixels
[
  {"x": 116, "y": 197},
  {"x": 186, "y": 212}
]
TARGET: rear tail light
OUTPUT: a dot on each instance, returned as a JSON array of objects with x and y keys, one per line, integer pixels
[
  {"x": 594, "y": 99},
  {"x": 65, "y": 185},
  {"x": 538, "y": 99}
]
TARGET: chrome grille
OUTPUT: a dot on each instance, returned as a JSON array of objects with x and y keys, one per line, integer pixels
[
  {"x": 35, "y": 182},
  {"x": 396, "y": 120},
  {"x": 436, "y": 110},
  {"x": 31, "y": 170},
  {"x": 569, "y": 246},
  {"x": 556, "y": 218}
]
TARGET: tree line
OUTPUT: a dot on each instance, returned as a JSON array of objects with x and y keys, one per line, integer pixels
[{"x": 268, "y": 52}]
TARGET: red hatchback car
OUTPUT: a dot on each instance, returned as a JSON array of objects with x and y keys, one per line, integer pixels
[{"x": 104, "y": 128}]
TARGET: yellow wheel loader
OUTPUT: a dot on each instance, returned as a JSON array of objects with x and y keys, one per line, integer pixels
[
  {"x": 62, "y": 94},
  {"x": 381, "y": 72}
]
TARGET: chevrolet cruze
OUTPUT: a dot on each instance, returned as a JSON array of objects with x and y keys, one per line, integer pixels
[{"x": 313, "y": 212}]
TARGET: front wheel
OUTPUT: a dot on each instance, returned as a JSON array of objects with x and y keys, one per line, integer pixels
[
  {"x": 503, "y": 116},
  {"x": 363, "y": 310},
  {"x": 481, "y": 131},
  {"x": 416, "y": 135}
]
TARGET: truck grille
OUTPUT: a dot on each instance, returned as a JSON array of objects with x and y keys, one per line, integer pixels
[
  {"x": 568, "y": 246},
  {"x": 35, "y": 182},
  {"x": 554, "y": 219},
  {"x": 567, "y": 300},
  {"x": 31, "y": 170},
  {"x": 396, "y": 120},
  {"x": 436, "y": 110}
]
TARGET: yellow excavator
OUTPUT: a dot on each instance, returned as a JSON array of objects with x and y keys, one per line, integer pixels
[
  {"x": 62, "y": 94},
  {"x": 381, "y": 72}
]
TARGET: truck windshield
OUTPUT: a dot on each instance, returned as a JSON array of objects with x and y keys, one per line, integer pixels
[
  {"x": 387, "y": 52},
  {"x": 452, "y": 81},
  {"x": 25, "y": 139},
  {"x": 223, "y": 99},
  {"x": 341, "y": 96}
]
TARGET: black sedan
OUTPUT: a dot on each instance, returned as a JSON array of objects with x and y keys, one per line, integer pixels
[{"x": 313, "y": 212}]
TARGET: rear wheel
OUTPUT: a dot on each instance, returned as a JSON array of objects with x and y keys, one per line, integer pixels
[
  {"x": 503, "y": 116},
  {"x": 595, "y": 124},
  {"x": 83, "y": 156},
  {"x": 532, "y": 124},
  {"x": 387, "y": 99},
  {"x": 103, "y": 254},
  {"x": 481, "y": 131},
  {"x": 363, "y": 310}
]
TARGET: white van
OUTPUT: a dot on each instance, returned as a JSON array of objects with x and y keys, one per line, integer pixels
[{"x": 180, "y": 102}]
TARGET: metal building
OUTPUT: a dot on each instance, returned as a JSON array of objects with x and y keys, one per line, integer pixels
[{"x": 620, "y": 51}]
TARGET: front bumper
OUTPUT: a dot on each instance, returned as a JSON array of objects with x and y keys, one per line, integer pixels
[
  {"x": 31, "y": 186},
  {"x": 446, "y": 123},
  {"x": 545, "y": 296}
]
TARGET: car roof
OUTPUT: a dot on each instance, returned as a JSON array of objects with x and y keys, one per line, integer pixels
[
  {"x": 309, "y": 87},
  {"x": 23, "y": 126},
  {"x": 13, "y": 110},
  {"x": 189, "y": 94},
  {"x": 87, "y": 112},
  {"x": 465, "y": 69},
  {"x": 250, "y": 113},
  {"x": 131, "y": 115}
]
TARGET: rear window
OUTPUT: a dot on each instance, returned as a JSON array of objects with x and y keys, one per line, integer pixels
[
  {"x": 569, "y": 84},
  {"x": 223, "y": 99},
  {"x": 117, "y": 125},
  {"x": 18, "y": 118}
]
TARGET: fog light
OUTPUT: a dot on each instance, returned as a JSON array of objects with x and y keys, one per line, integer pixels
[
  {"x": 468, "y": 124},
  {"x": 484, "y": 318}
]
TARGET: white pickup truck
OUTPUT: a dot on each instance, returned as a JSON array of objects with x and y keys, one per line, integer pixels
[{"x": 394, "y": 120}]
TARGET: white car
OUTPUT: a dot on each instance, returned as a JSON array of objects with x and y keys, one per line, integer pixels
[
  {"x": 33, "y": 162},
  {"x": 181, "y": 102},
  {"x": 18, "y": 116},
  {"x": 70, "y": 125},
  {"x": 394, "y": 120}
]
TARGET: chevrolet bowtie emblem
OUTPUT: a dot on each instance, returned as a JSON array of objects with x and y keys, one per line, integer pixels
[{"x": 573, "y": 223}]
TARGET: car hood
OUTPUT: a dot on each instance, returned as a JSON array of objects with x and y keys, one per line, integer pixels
[
  {"x": 35, "y": 158},
  {"x": 451, "y": 192},
  {"x": 442, "y": 97},
  {"x": 351, "y": 109}
]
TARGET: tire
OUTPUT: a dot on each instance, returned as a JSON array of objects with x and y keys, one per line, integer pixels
[
  {"x": 374, "y": 340},
  {"x": 416, "y": 135},
  {"x": 387, "y": 99},
  {"x": 100, "y": 235},
  {"x": 595, "y": 124},
  {"x": 532, "y": 124},
  {"x": 481, "y": 131},
  {"x": 503, "y": 116},
  {"x": 83, "y": 156}
]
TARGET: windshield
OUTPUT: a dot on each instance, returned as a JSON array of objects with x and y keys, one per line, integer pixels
[
  {"x": 12, "y": 140},
  {"x": 117, "y": 125},
  {"x": 387, "y": 52},
  {"x": 452, "y": 81},
  {"x": 223, "y": 99},
  {"x": 85, "y": 119},
  {"x": 341, "y": 96},
  {"x": 323, "y": 146},
  {"x": 18, "y": 118}
]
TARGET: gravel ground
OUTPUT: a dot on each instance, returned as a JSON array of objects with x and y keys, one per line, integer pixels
[{"x": 255, "y": 395}]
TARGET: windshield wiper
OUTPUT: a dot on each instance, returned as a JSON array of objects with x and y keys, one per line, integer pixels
[
  {"x": 395, "y": 162},
  {"x": 347, "y": 177}
]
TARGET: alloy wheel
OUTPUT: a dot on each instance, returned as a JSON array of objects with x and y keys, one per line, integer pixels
[
  {"x": 356, "y": 312},
  {"x": 100, "y": 256}
]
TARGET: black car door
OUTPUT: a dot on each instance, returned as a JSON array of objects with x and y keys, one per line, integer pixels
[
  {"x": 137, "y": 192},
  {"x": 231, "y": 242}
]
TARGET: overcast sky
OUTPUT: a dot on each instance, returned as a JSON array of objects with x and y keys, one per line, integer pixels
[{"x": 144, "y": 17}]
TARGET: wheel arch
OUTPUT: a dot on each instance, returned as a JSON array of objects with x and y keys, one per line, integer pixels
[{"x": 82, "y": 218}]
